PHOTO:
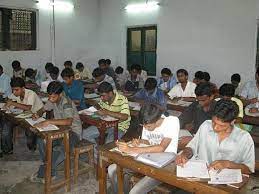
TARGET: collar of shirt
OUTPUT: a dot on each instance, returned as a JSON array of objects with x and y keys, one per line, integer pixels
[{"x": 153, "y": 94}]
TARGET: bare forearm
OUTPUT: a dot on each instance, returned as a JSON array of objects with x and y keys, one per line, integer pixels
[
  {"x": 243, "y": 167},
  {"x": 155, "y": 148},
  {"x": 22, "y": 106},
  {"x": 187, "y": 152}
]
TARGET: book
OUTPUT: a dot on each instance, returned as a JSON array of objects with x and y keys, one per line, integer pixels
[
  {"x": 157, "y": 160},
  {"x": 48, "y": 128}
]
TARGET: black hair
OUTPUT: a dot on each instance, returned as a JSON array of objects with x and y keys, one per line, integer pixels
[
  {"x": 257, "y": 71},
  {"x": 97, "y": 72},
  {"x": 199, "y": 75},
  {"x": 67, "y": 72},
  {"x": 150, "y": 84},
  {"x": 101, "y": 61},
  {"x": 16, "y": 64},
  {"x": 54, "y": 70},
  {"x": 206, "y": 76},
  {"x": 150, "y": 113},
  {"x": 105, "y": 87},
  {"x": 29, "y": 72},
  {"x": 236, "y": 77},
  {"x": 48, "y": 66},
  {"x": 55, "y": 87},
  {"x": 119, "y": 70},
  {"x": 204, "y": 89},
  {"x": 166, "y": 71},
  {"x": 17, "y": 82},
  {"x": 226, "y": 110},
  {"x": 227, "y": 90},
  {"x": 135, "y": 67},
  {"x": 182, "y": 71},
  {"x": 1, "y": 68},
  {"x": 68, "y": 63},
  {"x": 108, "y": 61},
  {"x": 138, "y": 67},
  {"x": 79, "y": 65}
]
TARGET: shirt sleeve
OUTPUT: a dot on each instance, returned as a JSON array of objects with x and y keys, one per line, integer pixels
[
  {"x": 172, "y": 92},
  {"x": 194, "y": 143},
  {"x": 162, "y": 100},
  {"x": 68, "y": 110},
  {"x": 140, "y": 94},
  {"x": 6, "y": 87},
  {"x": 31, "y": 99}
]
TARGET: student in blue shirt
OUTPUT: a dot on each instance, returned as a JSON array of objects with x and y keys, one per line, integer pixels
[
  {"x": 167, "y": 81},
  {"x": 74, "y": 89},
  {"x": 5, "y": 87},
  {"x": 151, "y": 94}
]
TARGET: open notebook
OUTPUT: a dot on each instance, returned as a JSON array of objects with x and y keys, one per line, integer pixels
[
  {"x": 199, "y": 169},
  {"x": 48, "y": 128}
]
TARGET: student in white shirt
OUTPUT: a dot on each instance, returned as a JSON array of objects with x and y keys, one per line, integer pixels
[
  {"x": 184, "y": 89},
  {"x": 53, "y": 76},
  {"x": 160, "y": 133},
  {"x": 5, "y": 88},
  {"x": 24, "y": 99}
]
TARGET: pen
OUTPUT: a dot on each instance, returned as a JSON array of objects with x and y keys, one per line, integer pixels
[{"x": 218, "y": 171}]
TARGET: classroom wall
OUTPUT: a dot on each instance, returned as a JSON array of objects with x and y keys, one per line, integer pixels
[
  {"x": 75, "y": 35},
  {"x": 214, "y": 36}
]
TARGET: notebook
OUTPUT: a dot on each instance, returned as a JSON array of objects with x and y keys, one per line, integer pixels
[
  {"x": 157, "y": 160},
  {"x": 48, "y": 128},
  {"x": 225, "y": 176}
]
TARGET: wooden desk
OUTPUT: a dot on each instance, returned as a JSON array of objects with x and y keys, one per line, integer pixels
[
  {"x": 166, "y": 174},
  {"x": 102, "y": 126},
  {"x": 251, "y": 120},
  {"x": 49, "y": 136}
]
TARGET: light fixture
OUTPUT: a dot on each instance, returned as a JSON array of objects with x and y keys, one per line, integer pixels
[
  {"x": 142, "y": 7},
  {"x": 58, "y": 5}
]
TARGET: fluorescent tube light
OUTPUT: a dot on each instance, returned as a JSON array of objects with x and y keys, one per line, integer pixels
[{"x": 143, "y": 7}]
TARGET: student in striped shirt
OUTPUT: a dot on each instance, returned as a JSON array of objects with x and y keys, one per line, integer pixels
[{"x": 112, "y": 104}]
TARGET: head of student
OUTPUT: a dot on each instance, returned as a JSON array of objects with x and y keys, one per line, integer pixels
[
  {"x": 235, "y": 79},
  {"x": 102, "y": 64},
  {"x": 204, "y": 94},
  {"x": 68, "y": 64},
  {"x": 54, "y": 73},
  {"x": 134, "y": 71},
  {"x": 48, "y": 67},
  {"x": 105, "y": 90},
  {"x": 198, "y": 77},
  {"x": 108, "y": 62},
  {"x": 80, "y": 67},
  {"x": 227, "y": 91},
  {"x": 1, "y": 70},
  {"x": 206, "y": 76},
  {"x": 119, "y": 70},
  {"x": 68, "y": 75},
  {"x": 182, "y": 75},
  {"x": 166, "y": 74},
  {"x": 16, "y": 65},
  {"x": 224, "y": 115},
  {"x": 18, "y": 86},
  {"x": 55, "y": 90},
  {"x": 98, "y": 74},
  {"x": 30, "y": 73},
  {"x": 150, "y": 85},
  {"x": 150, "y": 114}
]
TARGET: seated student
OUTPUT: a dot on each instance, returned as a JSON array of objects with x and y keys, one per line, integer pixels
[
  {"x": 100, "y": 77},
  {"x": 199, "y": 111},
  {"x": 104, "y": 65},
  {"x": 74, "y": 89},
  {"x": 206, "y": 78},
  {"x": 227, "y": 92},
  {"x": 134, "y": 82},
  {"x": 221, "y": 143},
  {"x": 184, "y": 89},
  {"x": 65, "y": 114},
  {"x": 82, "y": 72},
  {"x": 198, "y": 77},
  {"x": 18, "y": 71},
  {"x": 48, "y": 67},
  {"x": 5, "y": 87},
  {"x": 30, "y": 75},
  {"x": 53, "y": 76},
  {"x": 235, "y": 80},
  {"x": 112, "y": 104},
  {"x": 23, "y": 99},
  {"x": 68, "y": 64},
  {"x": 160, "y": 133},
  {"x": 142, "y": 73},
  {"x": 120, "y": 76},
  {"x": 110, "y": 70},
  {"x": 250, "y": 94},
  {"x": 167, "y": 80},
  {"x": 151, "y": 94}
]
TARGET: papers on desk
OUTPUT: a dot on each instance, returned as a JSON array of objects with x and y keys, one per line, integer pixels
[
  {"x": 108, "y": 118},
  {"x": 48, "y": 128},
  {"x": 135, "y": 106},
  {"x": 193, "y": 169},
  {"x": 184, "y": 133},
  {"x": 251, "y": 114},
  {"x": 24, "y": 115},
  {"x": 225, "y": 176},
  {"x": 92, "y": 95},
  {"x": 157, "y": 160},
  {"x": 89, "y": 111},
  {"x": 15, "y": 111},
  {"x": 180, "y": 103}
]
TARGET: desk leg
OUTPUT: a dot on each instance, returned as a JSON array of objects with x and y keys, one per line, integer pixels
[
  {"x": 115, "y": 132},
  {"x": 67, "y": 161},
  {"x": 102, "y": 136},
  {"x": 48, "y": 164},
  {"x": 120, "y": 179},
  {"x": 102, "y": 177}
]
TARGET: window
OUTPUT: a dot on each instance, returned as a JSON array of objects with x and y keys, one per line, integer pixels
[{"x": 17, "y": 29}]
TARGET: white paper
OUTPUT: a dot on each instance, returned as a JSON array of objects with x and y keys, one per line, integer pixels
[
  {"x": 2, "y": 105},
  {"x": 15, "y": 111},
  {"x": 180, "y": 103},
  {"x": 184, "y": 133},
  {"x": 108, "y": 118},
  {"x": 24, "y": 115},
  {"x": 135, "y": 106},
  {"x": 225, "y": 176},
  {"x": 193, "y": 169},
  {"x": 92, "y": 95},
  {"x": 48, "y": 128},
  {"x": 89, "y": 111}
]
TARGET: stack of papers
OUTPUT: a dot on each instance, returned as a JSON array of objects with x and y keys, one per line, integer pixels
[
  {"x": 225, "y": 176},
  {"x": 108, "y": 118},
  {"x": 48, "y": 128},
  {"x": 135, "y": 106},
  {"x": 88, "y": 111}
]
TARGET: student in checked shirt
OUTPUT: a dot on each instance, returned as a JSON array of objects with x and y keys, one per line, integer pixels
[{"x": 221, "y": 143}]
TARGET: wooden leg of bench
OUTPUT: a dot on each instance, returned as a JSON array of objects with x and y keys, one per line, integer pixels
[{"x": 76, "y": 161}]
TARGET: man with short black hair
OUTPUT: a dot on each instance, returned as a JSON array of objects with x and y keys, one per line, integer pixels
[
  {"x": 68, "y": 64},
  {"x": 167, "y": 80},
  {"x": 100, "y": 77},
  {"x": 18, "y": 71}
]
